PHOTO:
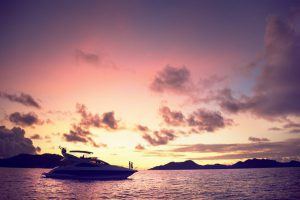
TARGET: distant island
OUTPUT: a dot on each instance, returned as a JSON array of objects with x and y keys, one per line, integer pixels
[
  {"x": 53, "y": 160},
  {"x": 251, "y": 163}
]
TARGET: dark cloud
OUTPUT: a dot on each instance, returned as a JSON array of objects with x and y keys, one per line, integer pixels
[
  {"x": 177, "y": 80},
  {"x": 36, "y": 137},
  {"x": 142, "y": 128},
  {"x": 107, "y": 120},
  {"x": 22, "y": 98},
  {"x": 274, "y": 129},
  {"x": 283, "y": 157},
  {"x": 28, "y": 119},
  {"x": 156, "y": 138},
  {"x": 139, "y": 147},
  {"x": 255, "y": 139},
  {"x": 231, "y": 104},
  {"x": 87, "y": 119},
  {"x": 276, "y": 90},
  {"x": 14, "y": 142},
  {"x": 200, "y": 120},
  {"x": 287, "y": 149},
  {"x": 79, "y": 134},
  {"x": 161, "y": 137},
  {"x": 206, "y": 120},
  {"x": 291, "y": 125},
  {"x": 98, "y": 60},
  {"x": 174, "y": 118},
  {"x": 172, "y": 79},
  {"x": 294, "y": 131},
  {"x": 98, "y": 145},
  {"x": 87, "y": 57}
]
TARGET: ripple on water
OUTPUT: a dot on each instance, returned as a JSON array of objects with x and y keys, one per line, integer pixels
[{"x": 275, "y": 183}]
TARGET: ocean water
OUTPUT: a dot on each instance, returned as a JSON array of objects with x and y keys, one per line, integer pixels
[{"x": 269, "y": 183}]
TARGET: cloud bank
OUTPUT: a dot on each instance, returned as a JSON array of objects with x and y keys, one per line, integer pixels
[
  {"x": 161, "y": 137},
  {"x": 14, "y": 142},
  {"x": 174, "y": 118},
  {"x": 106, "y": 120},
  {"x": 98, "y": 60},
  {"x": 86, "y": 57},
  {"x": 255, "y": 139},
  {"x": 139, "y": 147},
  {"x": 27, "y": 119},
  {"x": 80, "y": 132},
  {"x": 200, "y": 120},
  {"x": 276, "y": 90},
  {"x": 172, "y": 79},
  {"x": 24, "y": 99},
  {"x": 284, "y": 150}
]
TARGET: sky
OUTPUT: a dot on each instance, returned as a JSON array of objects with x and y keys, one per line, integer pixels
[{"x": 151, "y": 81}]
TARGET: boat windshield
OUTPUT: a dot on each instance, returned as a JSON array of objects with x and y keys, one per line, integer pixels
[{"x": 101, "y": 162}]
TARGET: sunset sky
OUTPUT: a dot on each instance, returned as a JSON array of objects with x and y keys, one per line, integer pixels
[{"x": 151, "y": 81}]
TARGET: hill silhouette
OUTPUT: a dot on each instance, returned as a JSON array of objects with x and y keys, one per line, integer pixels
[
  {"x": 53, "y": 160},
  {"x": 250, "y": 163},
  {"x": 32, "y": 161}
]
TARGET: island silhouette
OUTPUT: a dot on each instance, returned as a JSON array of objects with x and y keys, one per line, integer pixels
[
  {"x": 250, "y": 163},
  {"x": 53, "y": 160}
]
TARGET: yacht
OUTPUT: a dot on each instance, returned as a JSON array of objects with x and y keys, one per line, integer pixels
[{"x": 85, "y": 167}]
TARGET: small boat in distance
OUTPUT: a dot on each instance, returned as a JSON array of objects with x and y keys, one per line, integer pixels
[{"x": 85, "y": 167}]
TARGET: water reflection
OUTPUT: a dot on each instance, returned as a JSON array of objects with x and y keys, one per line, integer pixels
[{"x": 279, "y": 183}]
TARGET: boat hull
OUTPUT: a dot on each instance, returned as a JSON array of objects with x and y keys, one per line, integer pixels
[{"x": 89, "y": 175}]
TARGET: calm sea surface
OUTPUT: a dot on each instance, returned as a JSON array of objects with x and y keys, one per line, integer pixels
[{"x": 275, "y": 183}]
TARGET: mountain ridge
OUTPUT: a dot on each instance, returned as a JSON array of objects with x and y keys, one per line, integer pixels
[
  {"x": 250, "y": 163},
  {"x": 32, "y": 161},
  {"x": 52, "y": 160}
]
